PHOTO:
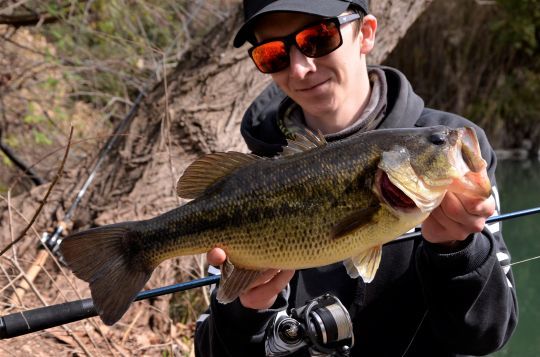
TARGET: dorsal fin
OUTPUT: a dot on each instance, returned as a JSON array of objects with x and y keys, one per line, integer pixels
[
  {"x": 304, "y": 141},
  {"x": 207, "y": 170}
]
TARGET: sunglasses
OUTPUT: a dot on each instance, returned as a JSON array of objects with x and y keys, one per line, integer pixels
[{"x": 314, "y": 40}]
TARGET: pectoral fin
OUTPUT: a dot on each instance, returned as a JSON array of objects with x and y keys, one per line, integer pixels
[
  {"x": 365, "y": 264},
  {"x": 355, "y": 221},
  {"x": 234, "y": 281}
]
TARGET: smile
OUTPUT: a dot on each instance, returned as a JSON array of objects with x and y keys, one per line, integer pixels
[{"x": 313, "y": 87}]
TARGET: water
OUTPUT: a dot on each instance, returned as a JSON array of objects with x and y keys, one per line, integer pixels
[{"x": 519, "y": 187}]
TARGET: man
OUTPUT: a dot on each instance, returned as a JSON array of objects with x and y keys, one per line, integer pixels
[{"x": 446, "y": 294}]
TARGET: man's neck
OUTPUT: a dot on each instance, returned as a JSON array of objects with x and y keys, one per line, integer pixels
[{"x": 345, "y": 115}]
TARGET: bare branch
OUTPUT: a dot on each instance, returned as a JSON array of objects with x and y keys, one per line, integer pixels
[
  {"x": 58, "y": 175},
  {"x": 36, "y": 179},
  {"x": 27, "y": 19}
]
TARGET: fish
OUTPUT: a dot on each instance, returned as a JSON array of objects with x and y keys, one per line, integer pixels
[{"x": 316, "y": 204}]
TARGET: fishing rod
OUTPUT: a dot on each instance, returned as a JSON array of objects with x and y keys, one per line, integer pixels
[
  {"x": 24, "y": 322},
  {"x": 492, "y": 219},
  {"x": 28, "y": 171},
  {"x": 52, "y": 240}
]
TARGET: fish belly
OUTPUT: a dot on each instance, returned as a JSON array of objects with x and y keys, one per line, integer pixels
[{"x": 314, "y": 245}]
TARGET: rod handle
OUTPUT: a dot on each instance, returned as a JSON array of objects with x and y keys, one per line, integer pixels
[{"x": 23, "y": 322}]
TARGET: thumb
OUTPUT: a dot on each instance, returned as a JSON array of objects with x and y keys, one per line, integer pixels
[{"x": 216, "y": 256}]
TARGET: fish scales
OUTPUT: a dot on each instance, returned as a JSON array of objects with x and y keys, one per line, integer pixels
[
  {"x": 330, "y": 202},
  {"x": 261, "y": 211}
]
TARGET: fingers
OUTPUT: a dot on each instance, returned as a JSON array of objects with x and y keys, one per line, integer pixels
[
  {"x": 456, "y": 206},
  {"x": 265, "y": 289},
  {"x": 216, "y": 256},
  {"x": 456, "y": 218},
  {"x": 465, "y": 212},
  {"x": 482, "y": 208},
  {"x": 264, "y": 278}
]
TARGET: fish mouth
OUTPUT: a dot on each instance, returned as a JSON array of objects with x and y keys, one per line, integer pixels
[
  {"x": 400, "y": 198},
  {"x": 405, "y": 184},
  {"x": 466, "y": 158},
  {"x": 401, "y": 187},
  {"x": 392, "y": 194}
]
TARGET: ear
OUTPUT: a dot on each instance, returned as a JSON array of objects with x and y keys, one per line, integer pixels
[{"x": 368, "y": 29}]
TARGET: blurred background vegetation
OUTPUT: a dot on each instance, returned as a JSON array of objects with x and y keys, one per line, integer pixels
[
  {"x": 479, "y": 59},
  {"x": 84, "y": 62},
  {"x": 77, "y": 62}
]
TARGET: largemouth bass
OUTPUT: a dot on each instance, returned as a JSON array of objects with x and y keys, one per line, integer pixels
[{"x": 317, "y": 204}]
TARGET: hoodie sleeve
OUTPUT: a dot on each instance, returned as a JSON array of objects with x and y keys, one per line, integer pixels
[
  {"x": 470, "y": 292},
  {"x": 233, "y": 330}
]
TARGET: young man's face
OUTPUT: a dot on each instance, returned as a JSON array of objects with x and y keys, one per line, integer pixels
[{"x": 319, "y": 85}]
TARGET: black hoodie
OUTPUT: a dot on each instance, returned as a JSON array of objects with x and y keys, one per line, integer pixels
[{"x": 422, "y": 302}]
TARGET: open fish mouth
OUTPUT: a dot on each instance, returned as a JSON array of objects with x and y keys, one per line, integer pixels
[
  {"x": 466, "y": 157},
  {"x": 406, "y": 186},
  {"x": 403, "y": 188},
  {"x": 424, "y": 197},
  {"x": 392, "y": 194}
]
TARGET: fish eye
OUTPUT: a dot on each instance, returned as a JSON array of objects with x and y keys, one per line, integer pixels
[{"x": 437, "y": 139}]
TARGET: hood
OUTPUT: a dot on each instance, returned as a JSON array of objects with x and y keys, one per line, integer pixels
[{"x": 263, "y": 136}]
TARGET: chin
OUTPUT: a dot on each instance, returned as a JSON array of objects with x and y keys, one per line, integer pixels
[{"x": 318, "y": 106}]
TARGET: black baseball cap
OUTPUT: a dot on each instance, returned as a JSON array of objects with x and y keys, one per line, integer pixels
[{"x": 325, "y": 8}]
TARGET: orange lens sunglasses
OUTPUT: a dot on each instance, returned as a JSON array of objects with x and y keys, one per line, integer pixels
[{"x": 314, "y": 40}]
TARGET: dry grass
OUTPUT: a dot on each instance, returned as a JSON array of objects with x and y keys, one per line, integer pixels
[{"x": 83, "y": 70}]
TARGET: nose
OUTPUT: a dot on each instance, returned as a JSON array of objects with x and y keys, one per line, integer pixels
[{"x": 300, "y": 65}]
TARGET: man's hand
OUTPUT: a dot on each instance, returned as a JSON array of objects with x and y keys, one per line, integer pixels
[
  {"x": 264, "y": 291},
  {"x": 456, "y": 218}
]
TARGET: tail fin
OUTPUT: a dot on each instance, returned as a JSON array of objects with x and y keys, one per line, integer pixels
[{"x": 107, "y": 258}]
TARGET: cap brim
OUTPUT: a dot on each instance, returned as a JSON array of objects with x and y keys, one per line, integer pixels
[{"x": 325, "y": 8}]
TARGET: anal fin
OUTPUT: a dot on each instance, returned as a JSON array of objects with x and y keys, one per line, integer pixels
[
  {"x": 365, "y": 264},
  {"x": 234, "y": 281}
]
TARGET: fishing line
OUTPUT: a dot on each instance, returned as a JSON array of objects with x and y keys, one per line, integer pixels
[
  {"x": 28, "y": 321},
  {"x": 415, "y": 333},
  {"x": 525, "y": 260},
  {"x": 492, "y": 219}
]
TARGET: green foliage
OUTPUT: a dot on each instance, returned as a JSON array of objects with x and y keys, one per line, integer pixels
[
  {"x": 111, "y": 48},
  {"x": 514, "y": 98},
  {"x": 480, "y": 61},
  {"x": 101, "y": 52},
  {"x": 6, "y": 161},
  {"x": 60, "y": 114},
  {"x": 32, "y": 117},
  {"x": 518, "y": 95},
  {"x": 3, "y": 188},
  {"x": 519, "y": 26},
  {"x": 12, "y": 141},
  {"x": 41, "y": 138},
  {"x": 50, "y": 84}
]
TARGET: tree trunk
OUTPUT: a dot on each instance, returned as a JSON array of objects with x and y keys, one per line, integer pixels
[{"x": 196, "y": 110}]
